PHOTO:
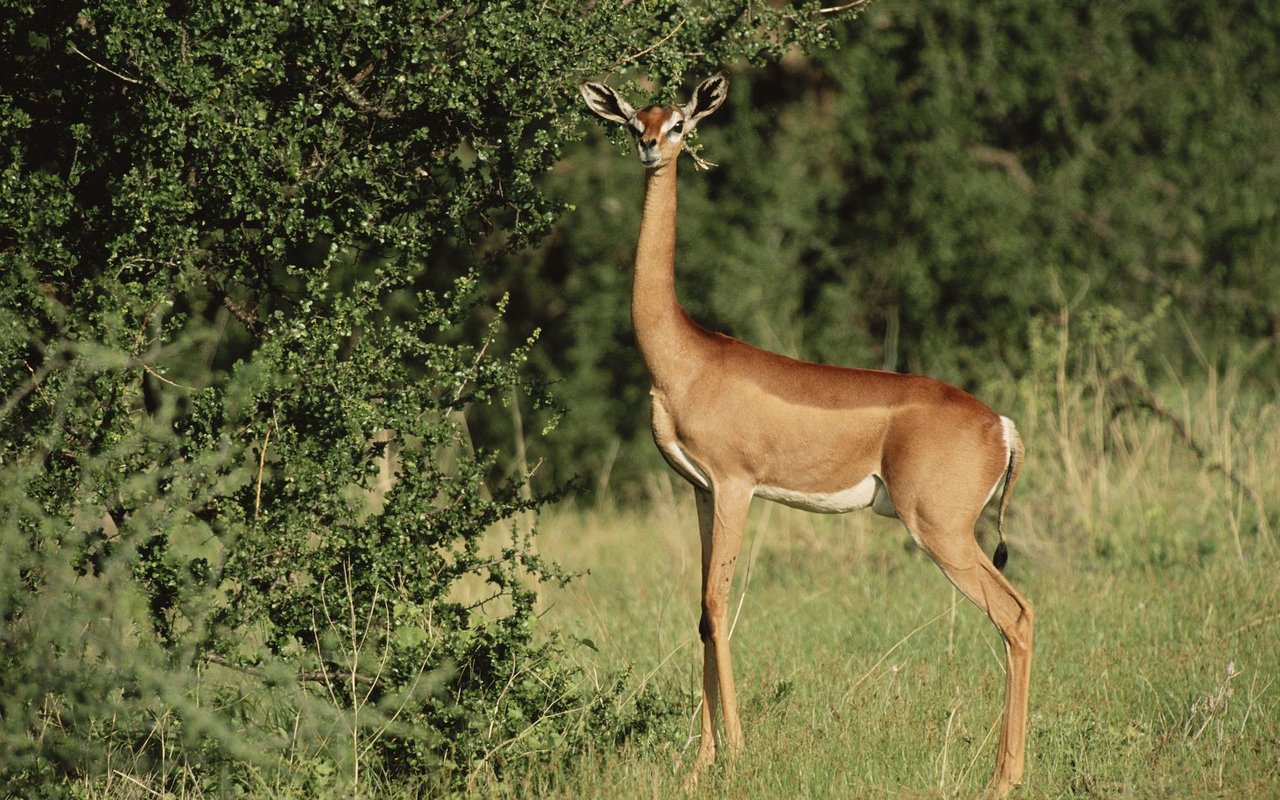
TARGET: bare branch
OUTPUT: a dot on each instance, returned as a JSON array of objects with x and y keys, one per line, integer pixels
[
  {"x": 103, "y": 67},
  {"x": 845, "y": 7},
  {"x": 1132, "y": 395},
  {"x": 153, "y": 373},
  {"x": 262, "y": 465},
  {"x": 246, "y": 316},
  {"x": 1006, "y": 160},
  {"x": 650, "y": 48},
  {"x": 362, "y": 103}
]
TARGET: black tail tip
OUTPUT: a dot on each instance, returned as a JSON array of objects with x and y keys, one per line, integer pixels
[{"x": 1000, "y": 557}]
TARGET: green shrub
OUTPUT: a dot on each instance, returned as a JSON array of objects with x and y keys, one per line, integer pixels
[{"x": 258, "y": 509}]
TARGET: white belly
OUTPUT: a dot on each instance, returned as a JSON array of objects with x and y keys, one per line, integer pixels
[{"x": 870, "y": 491}]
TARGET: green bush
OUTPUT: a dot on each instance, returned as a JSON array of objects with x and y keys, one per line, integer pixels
[{"x": 258, "y": 506}]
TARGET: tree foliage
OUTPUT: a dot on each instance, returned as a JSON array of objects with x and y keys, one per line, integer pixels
[{"x": 247, "y": 311}]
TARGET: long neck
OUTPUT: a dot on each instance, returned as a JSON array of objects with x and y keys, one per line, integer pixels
[{"x": 664, "y": 333}]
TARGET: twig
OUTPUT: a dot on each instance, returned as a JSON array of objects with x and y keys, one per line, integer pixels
[
  {"x": 746, "y": 582},
  {"x": 1141, "y": 397},
  {"x": 305, "y": 676},
  {"x": 262, "y": 463},
  {"x": 37, "y": 378},
  {"x": 699, "y": 162},
  {"x": 151, "y": 371},
  {"x": 648, "y": 49},
  {"x": 474, "y": 365},
  {"x": 1248, "y": 626},
  {"x": 845, "y": 7},
  {"x": 1007, "y": 161},
  {"x": 951, "y": 623},
  {"x": 645, "y": 680},
  {"x": 946, "y": 743},
  {"x": 977, "y": 752},
  {"x": 484, "y": 760},
  {"x": 363, "y": 104},
  {"x": 102, "y": 67},
  {"x": 138, "y": 783},
  {"x": 889, "y": 652},
  {"x": 326, "y": 676},
  {"x": 856, "y": 4},
  {"x": 246, "y": 316}
]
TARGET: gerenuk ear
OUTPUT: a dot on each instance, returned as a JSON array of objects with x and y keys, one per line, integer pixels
[
  {"x": 709, "y": 96},
  {"x": 606, "y": 103}
]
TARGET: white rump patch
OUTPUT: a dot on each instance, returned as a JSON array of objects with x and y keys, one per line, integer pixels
[{"x": 1010, "y": 435}]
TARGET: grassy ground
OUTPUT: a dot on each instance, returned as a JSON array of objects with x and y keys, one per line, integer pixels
[
  {"x": 1142, "y": 533},
  {"x": 863, "y": 675}
]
